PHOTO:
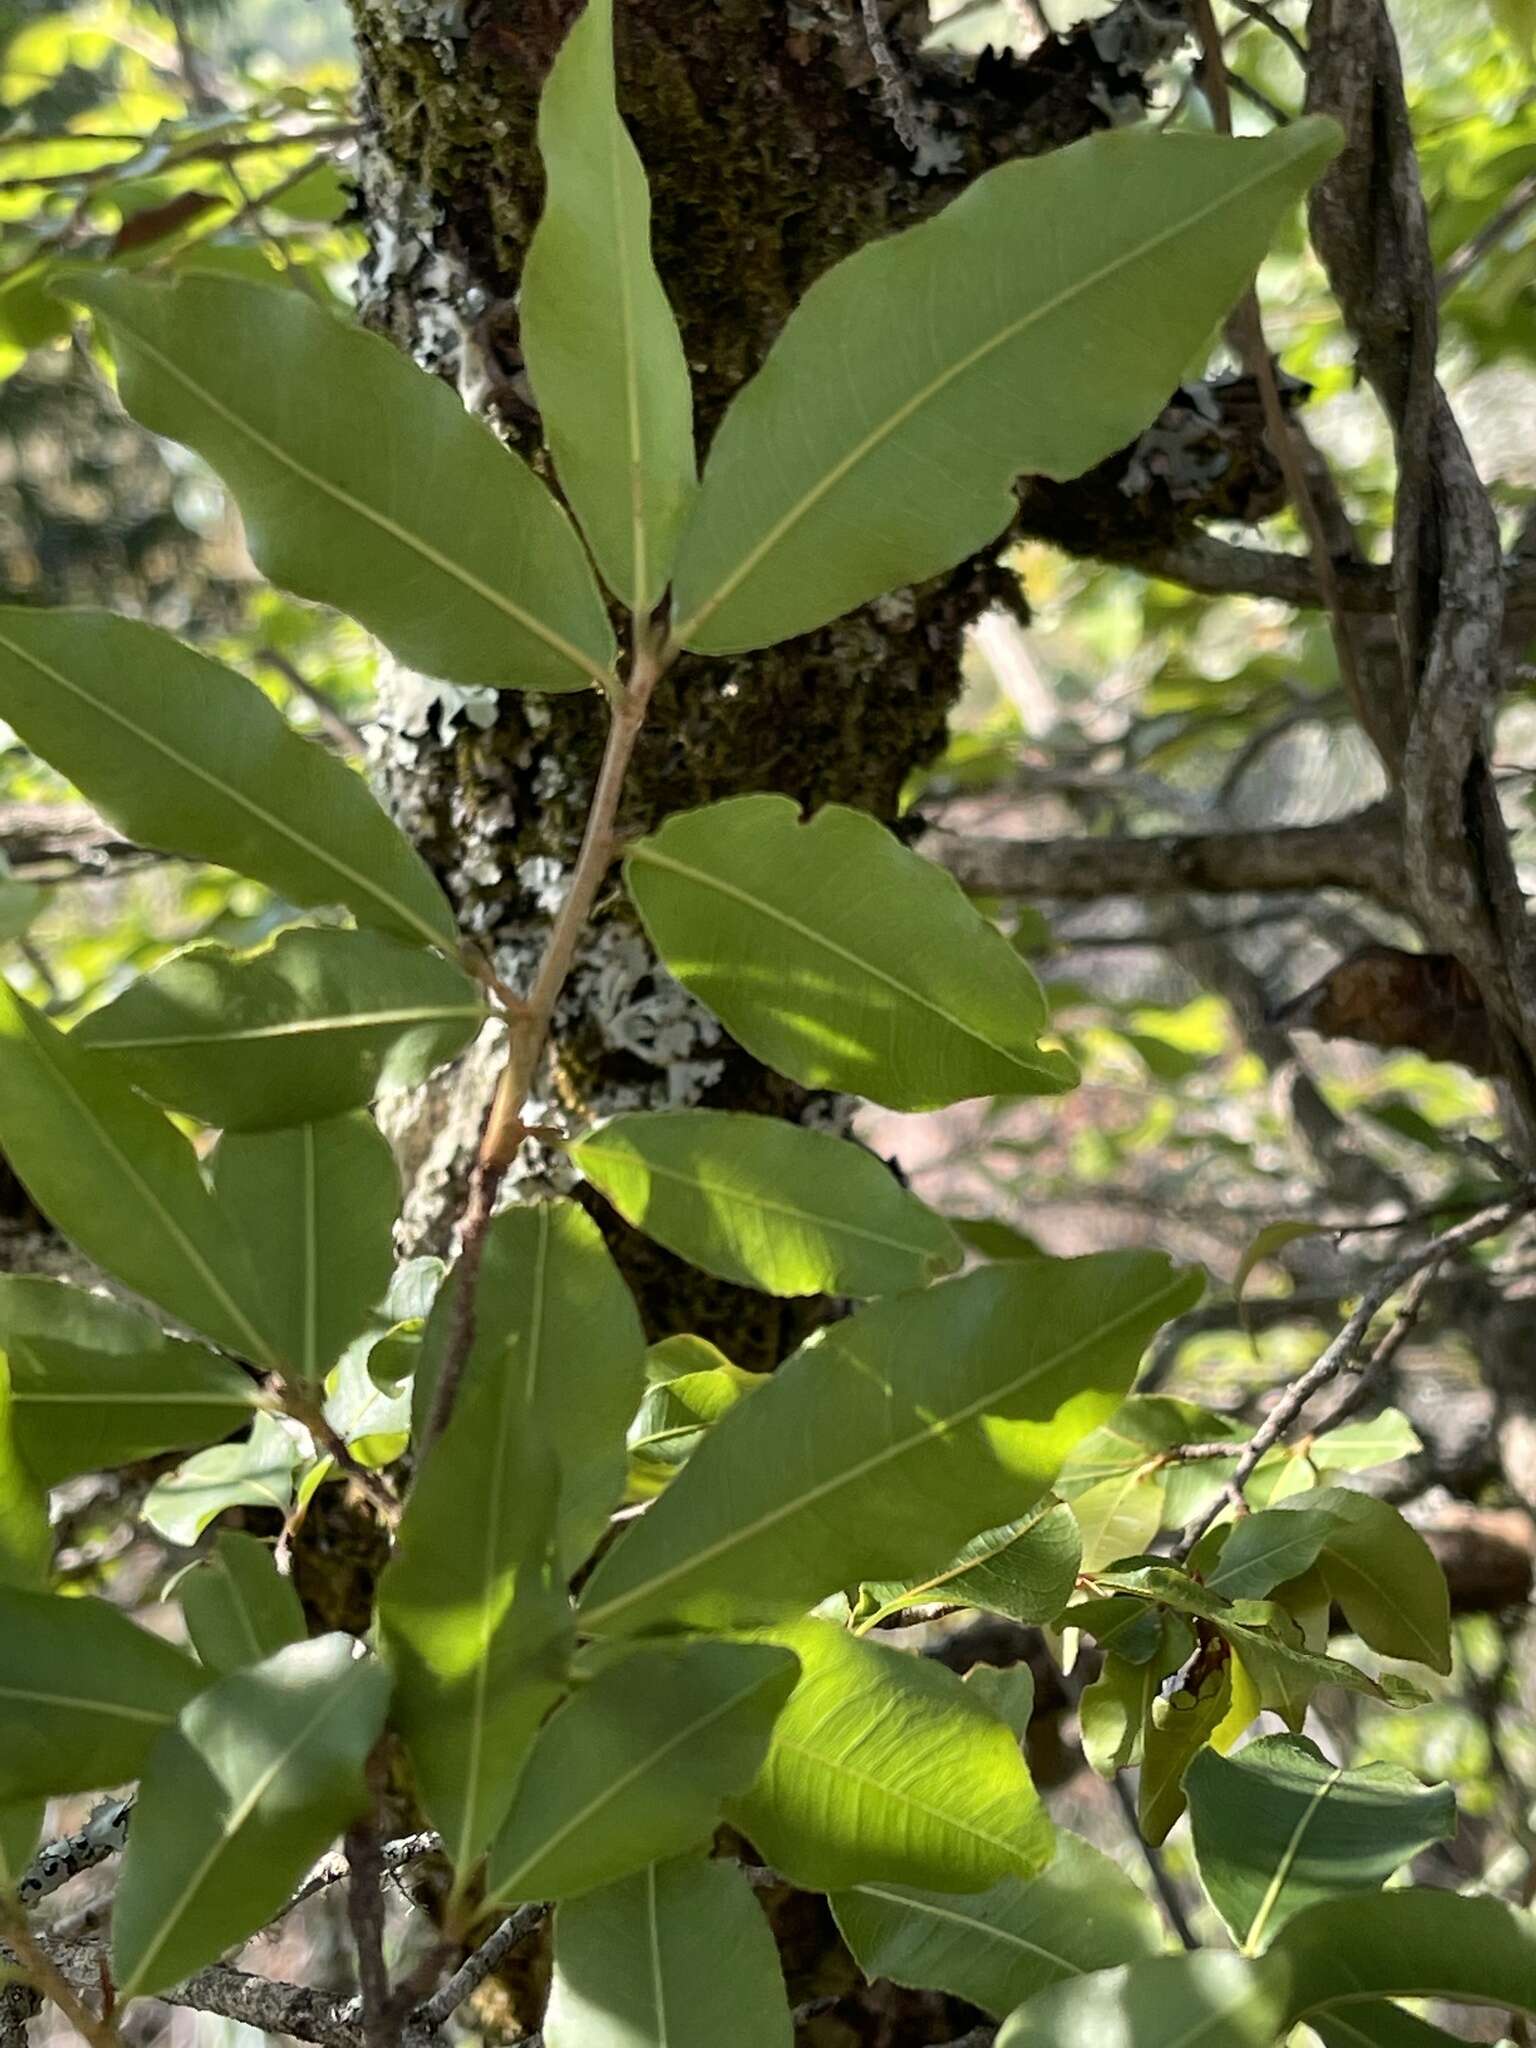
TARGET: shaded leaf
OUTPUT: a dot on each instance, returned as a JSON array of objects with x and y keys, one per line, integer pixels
[
  {"x": 259, "y": 1775},
  {"x": 883, "y": 1765},
  {"x": 766, "y": 1203},
  {"x": 313, "y": 1024},
  {"x": 553, "y": 1312},
  {"x": 997, "y": 1947},
  {"x": 897, "y": 989},
  {"x": 1277, "y": 1828},
  {"x": 878, "y": 443},
  {"x": 26, "y": 1541},
  {"x": 182, "y": 754},
  {"x": 363, "y": 482},
  {"x": 1026, "y": 1570},
  {"x": 878, "y": 1449},
  {"x": 633, "y": 1768},
  {"x": 602, "y": 347},
  {"x": 83, "y": 1694},
  {"x": 1383, "y": 1574},
  {"x": 316, "y": 1207},
  {"x": 677, "y": 1956},
  {"x": 239, "y": 1608},
  {"x": 258, "y": 1472}
]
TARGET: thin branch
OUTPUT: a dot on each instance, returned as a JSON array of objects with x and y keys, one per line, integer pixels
[
  {"x": 1157, "y": 1869},
  {"x": 1345, "y": 1347},
  {"x": 1471, "y": 253},
  {"x": 365, "y": 1916},
  {"x": 472, "y": 1973},
  {"x": 1261, "y": 15},
  {"x": 341, "y": 730},
  {"x": 47, "y": 1978}
]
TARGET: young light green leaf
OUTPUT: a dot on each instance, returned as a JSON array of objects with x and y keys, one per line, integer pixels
[
  {"x": 1118, "y": 1517},
  {"x": 1383, "y": 1574},
  {"x": 258, "y": 1776},
  {"x": 83, "y": 1694},
  {"x": 889, "y": 1440},
  {"x": 1112, "y": 1713},
  {"x": 363, "y": 482},
  {"x": 916, "y": 380},
  {"x": 998, "y": 1947},
  {"x": 677, "y": 1956},
  {"x": 602, "y": 347},
  {"x": 1277, "y": 1828},
  {"x": 182, "y": 754},
  {"x": 120, "y": 1180},
  {"x": 239, "y": 1608},
  {"x": 553, "y": 1314},
  {"x": 472, "y": 1618},
  {"x": 96, "y": 1384},
  {"x": 885, "y": 1766},
  {"x": 674, "y": 1414},
  {"x": 1138, "y": 1432},
  {"x": 258, "y": 1472},
  {"x": 840, "y": 957},
  {"x": 316, "y": 1206},
  {"x": 766, "y": 1203},
  {"x": 313, "y": 1024},
  {"x": 633, "y": 1768},
  {"x": 1026, "y": 1569},
  {"x": 1357, "y": 1446},
  {"x": 368, "y": 1394}
]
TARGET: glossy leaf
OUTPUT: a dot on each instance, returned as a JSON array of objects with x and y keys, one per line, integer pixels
[
  {"x": 1025, "y": 1569},
  {"x": 83, "y": 1694},
  {"x": 363, "y": 482},
  {"x": 120, "y": 1180},
  {"x": 889, "y": 1439},
  {"x": 1262, "y": 1551},
  {"x": 1383, "y": 1574},
  {"x": 917, "y": 379},
  {"x": 553, "y": 1313},
  {"x": 183, "y": 754},
  {"x": 998, "y": 1947},
  {"x": 259, "y": 1775},
  {"x": 472, "y": 1618},
  {"x": 633, "y": 1768},
  {"x": 767, "y": 1204},
  {"x": 885, "y": 1766},
  {"x": 677, "y": 1956},
  {"x": 602, "y": 347},
  {"x": 239, "y": 1608},
  {"x": 1277, "y": 1828},
  {"x": 256, "y": 1472},
  {"x": 897, "y": 989},
  {"x": 96, "y": 1384},
  {"x": 316, "y": 1207},
  {"x": 317, "y": 1023}
]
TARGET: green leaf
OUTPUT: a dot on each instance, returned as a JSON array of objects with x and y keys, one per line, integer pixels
[
  {"x": 21, "y": 1823},
  {"x": 258, "y": 1472},
  {"x": 1112, "y": 1713},
  {"x": 472, "y": 1618},
  {"x": 841, "y": 958},
  {"x": 1264, "y": 1550},
  {"x": 26, "y": 1540},
  {"x": 259, "y": 1775},
  {"x": 363, "y": 482},
  {"x": 119, "y": 1179},
  {"x": 888, "y": 1439},
  {"x": 368, "y": 1394},
  {"x": 239, "y": 1609},
  {"x": 553, "y": 1312},
  {"x": 1172, "y": 1735},
  {"x": 674, "y": 1415},
  {"x": 602, "y": 347},
  {"x": 1026, "y": 1570},
  {"x": 916, "y": 380},
  {"x": 315, "y": 1023},
  {"x": 677, "y": 1956},
  {"x": 316, "y": 1207},
  {"x": 1376, "y": 2025},
  {"x": 1118, "y": 1517},
  {"x": 181, "y": 753},
  {"x": 1357, "y": 1446},
  {"x": 1383, "y": 1574},
  {"x": 767, "y": 1204},
  {"x": 1274, "y": 1237},
  {"x": 1277, "y": 1828},
  {"x": 884, "y": 1765},
  {"x": 1136, "y": 1435},
  {"x": 96, "y": 1384},
  {"x": 998, "y": 1947},
  {"x": 633, "y": 1768},
  {"x": 83, "y": 1694}
]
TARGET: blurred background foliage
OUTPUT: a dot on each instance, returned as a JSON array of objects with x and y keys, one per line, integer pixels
[{"x": 1101, "y": 701}]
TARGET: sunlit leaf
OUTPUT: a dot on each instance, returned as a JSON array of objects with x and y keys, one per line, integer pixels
[{"x": 257, "y": 1472}]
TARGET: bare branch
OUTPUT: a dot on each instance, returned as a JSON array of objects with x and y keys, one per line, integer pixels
[
  {"x": 1358, "y": 852},
  {"x": 472, "y": 1973}
]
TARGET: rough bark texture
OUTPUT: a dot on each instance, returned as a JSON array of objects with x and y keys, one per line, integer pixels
[{"x": 772, "y": 153}]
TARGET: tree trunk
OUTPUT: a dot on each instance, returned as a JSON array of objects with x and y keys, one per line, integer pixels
[{"x": 771, "y": 138}]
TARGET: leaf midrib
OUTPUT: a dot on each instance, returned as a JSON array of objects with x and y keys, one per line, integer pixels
[
  {"x": 101, "y": 707},
  {"x": 595, "y": 1617},
  {"x": 988, "y": 1929},
  {"x": 880, "y": 434},
  {"x": 1285, "y": 1863},
  {"x": 647, "y": 854},
  {"x": 296, "y": 1027}
]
